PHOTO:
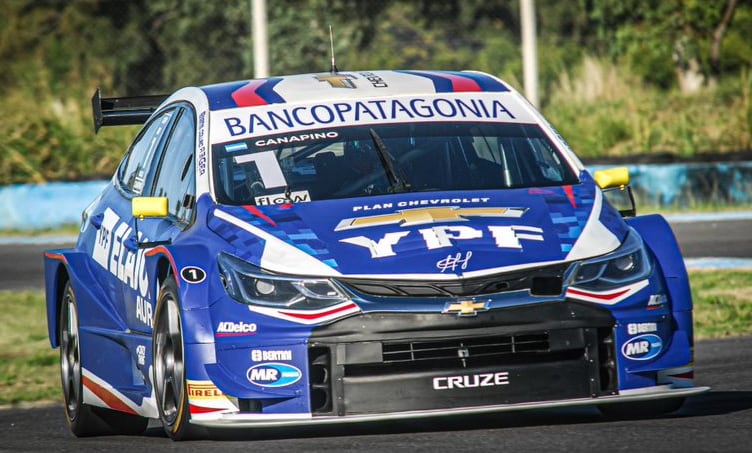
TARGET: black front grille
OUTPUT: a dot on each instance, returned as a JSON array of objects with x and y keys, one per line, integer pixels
[
  {"x": 391, "y": 362},
  {"x": 497, "y": 346},
  {"x": 542, "y": 281}
]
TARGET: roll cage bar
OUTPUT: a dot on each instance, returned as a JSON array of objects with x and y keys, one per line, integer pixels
[{"x": 123, "y": 111}]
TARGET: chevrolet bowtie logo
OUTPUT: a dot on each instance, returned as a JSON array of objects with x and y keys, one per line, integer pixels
[
  {"x": 337, "y": 80},
  {"x": 419, "y": 216},
  {"x": 465, "y": 308}
]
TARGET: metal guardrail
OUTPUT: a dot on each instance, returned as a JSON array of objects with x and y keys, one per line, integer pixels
[{"x": 42, "y": 206}]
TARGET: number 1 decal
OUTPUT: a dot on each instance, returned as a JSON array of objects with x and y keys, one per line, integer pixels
[{"x": 193, "y": 274}]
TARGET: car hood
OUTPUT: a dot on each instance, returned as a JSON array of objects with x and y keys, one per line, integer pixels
[{"x": 424, "y": 235}]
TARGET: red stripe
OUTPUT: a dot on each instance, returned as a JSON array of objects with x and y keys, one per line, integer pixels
[
  {"x": 570, "y": 194},
  {"x": 246, "y": 96},
  {"x": 318, "y": 315},
  {"x": 687, "y": 375},
  {"x": 203, "y": 410},
  {"x": 56, "y": 256},
  {"x": 462, "y": 84},
  {"x": 105, "y": 395},
  {"x": 161, "y": 250},
  {"x": 598, "y": 296},
  {"x": 254, "y": 210}
]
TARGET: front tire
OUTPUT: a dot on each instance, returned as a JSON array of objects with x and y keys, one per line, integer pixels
[
  {"x": 85, "y": 420},
  {"x": 169, "y": 366}
]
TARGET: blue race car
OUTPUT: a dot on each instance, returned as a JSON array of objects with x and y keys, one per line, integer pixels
[{"x": 359, "y": 246}]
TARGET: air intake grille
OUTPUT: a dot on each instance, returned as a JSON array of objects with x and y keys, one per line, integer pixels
[
  {"x": 415, "y": 351},
  {"x": 544, "y": 281}
]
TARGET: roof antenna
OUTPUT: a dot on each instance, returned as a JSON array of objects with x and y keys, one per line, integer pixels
[{"x": 334, "y": 69}]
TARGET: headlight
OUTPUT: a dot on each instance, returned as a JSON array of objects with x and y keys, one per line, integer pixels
[
  {"x": 250, "y": 285},
  {"x": 627, "y": 264}
]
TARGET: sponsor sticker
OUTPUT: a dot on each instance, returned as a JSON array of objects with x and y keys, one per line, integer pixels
[
  {"x": 261, "y": 355},
  {"x": 471, "y": 381},
  {"x": 273, "y": 375},
  {"x": 635, "y": 328},
  {"x": 236, "y": 329},
  {"x": 201, "y": 390},
  {"x": 141, "y": 354},
  {"x": 642, "y": 347},
  {"x": 297, "y": 196}
]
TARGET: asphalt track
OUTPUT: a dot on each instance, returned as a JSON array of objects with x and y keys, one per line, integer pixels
[
  {"x": 720, "y": 420},
  {"x": 716, "y": 421}
]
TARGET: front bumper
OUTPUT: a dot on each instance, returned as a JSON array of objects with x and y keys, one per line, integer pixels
[{"x": 241, "y": 420}]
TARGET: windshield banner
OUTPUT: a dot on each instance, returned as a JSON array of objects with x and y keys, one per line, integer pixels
[{"x": 234, "y": 124}]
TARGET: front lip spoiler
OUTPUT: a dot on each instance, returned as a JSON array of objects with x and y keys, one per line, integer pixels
[{"x": 235, "y": 420}]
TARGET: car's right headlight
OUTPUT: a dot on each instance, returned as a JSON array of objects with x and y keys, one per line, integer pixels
[
  {"x": 629, "y": 263},
  {"x": 249, "y": 284}
]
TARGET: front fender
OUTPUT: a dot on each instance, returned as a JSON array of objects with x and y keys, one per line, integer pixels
[
  {"x": 186, "y": 262},
  {"x": 660, "y": 239}
]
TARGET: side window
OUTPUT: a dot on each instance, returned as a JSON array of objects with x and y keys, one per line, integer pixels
[
  {"x": 134, "y": 169},
  {"x": 176, "y": 177}
]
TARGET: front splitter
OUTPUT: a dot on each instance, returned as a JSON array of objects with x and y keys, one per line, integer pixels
[{"x": 236, "y": 420}]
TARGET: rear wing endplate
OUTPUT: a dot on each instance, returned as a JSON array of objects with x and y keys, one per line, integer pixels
[{"x": 124, "y": 110}]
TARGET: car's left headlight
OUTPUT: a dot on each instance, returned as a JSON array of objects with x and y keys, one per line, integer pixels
[
  {"x": 629, "y": 263},
  {"x": 249, "y": 284}
]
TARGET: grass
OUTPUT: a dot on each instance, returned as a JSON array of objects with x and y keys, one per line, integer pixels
[
  {"x": 29, "y": 370},
  {"x": 28, "y": 366},
  {"x": 723, "y": 303}
]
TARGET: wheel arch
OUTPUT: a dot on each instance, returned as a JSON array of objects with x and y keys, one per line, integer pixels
[{"x": 56, "y": 277}]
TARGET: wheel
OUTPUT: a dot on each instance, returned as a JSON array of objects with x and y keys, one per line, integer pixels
[
  {"x": 85, "y": 420},
  {"x": 169, "y": 366},
  {"x": 641, "y": 409}
]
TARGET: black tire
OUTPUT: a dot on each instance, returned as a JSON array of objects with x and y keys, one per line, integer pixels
[
  {"x": 641, "y": 409},
  {"x": 85, "y": 420},
  {"x": 169, "y": 366}
]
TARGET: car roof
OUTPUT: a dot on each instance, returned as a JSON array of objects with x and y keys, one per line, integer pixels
[{"x": 333, "y": 86}]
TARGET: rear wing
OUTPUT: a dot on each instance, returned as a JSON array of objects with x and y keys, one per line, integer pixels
[{"x": 123, "y": 111}]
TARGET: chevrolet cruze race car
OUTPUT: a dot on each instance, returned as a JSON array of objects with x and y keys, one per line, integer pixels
[{"x": 359, "y": 246}]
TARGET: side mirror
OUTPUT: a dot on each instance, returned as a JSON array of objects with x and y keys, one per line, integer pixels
[
  {"x": 612, "y": 177},
  {"x": 143, "y": 207},
  {"x": 615, "y": 185}
]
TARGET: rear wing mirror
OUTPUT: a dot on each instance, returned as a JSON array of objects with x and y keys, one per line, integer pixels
[{"x": 616, "y": 188}]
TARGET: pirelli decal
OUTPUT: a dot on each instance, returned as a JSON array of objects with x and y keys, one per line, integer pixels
[{"x": 421, "y": 216}]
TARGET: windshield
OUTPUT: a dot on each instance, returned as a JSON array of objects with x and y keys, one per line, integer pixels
[{"x": 361, "y": 161}]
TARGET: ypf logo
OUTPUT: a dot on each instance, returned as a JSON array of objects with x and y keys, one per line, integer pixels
[{"x": 643, "y": 347}]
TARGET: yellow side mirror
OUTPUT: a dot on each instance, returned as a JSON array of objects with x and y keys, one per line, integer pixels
[
  {"x": 612, "y": 177},
  {"x": 149, "y": 207}
]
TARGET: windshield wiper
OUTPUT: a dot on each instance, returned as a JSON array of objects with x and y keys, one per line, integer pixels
[{"x": 397, "y": 182}]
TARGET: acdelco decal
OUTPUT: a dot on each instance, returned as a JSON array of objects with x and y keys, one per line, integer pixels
[
  {"x": 273, "y": 375},
  {"x": 235, "y": 329},
  {"x": 643, "y": 347}
]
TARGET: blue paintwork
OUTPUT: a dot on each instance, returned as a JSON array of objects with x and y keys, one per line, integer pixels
[{"x": 116, "y": 285}]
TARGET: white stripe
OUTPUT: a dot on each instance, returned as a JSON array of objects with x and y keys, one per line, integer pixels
[{"x": 279, "y": 256}]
